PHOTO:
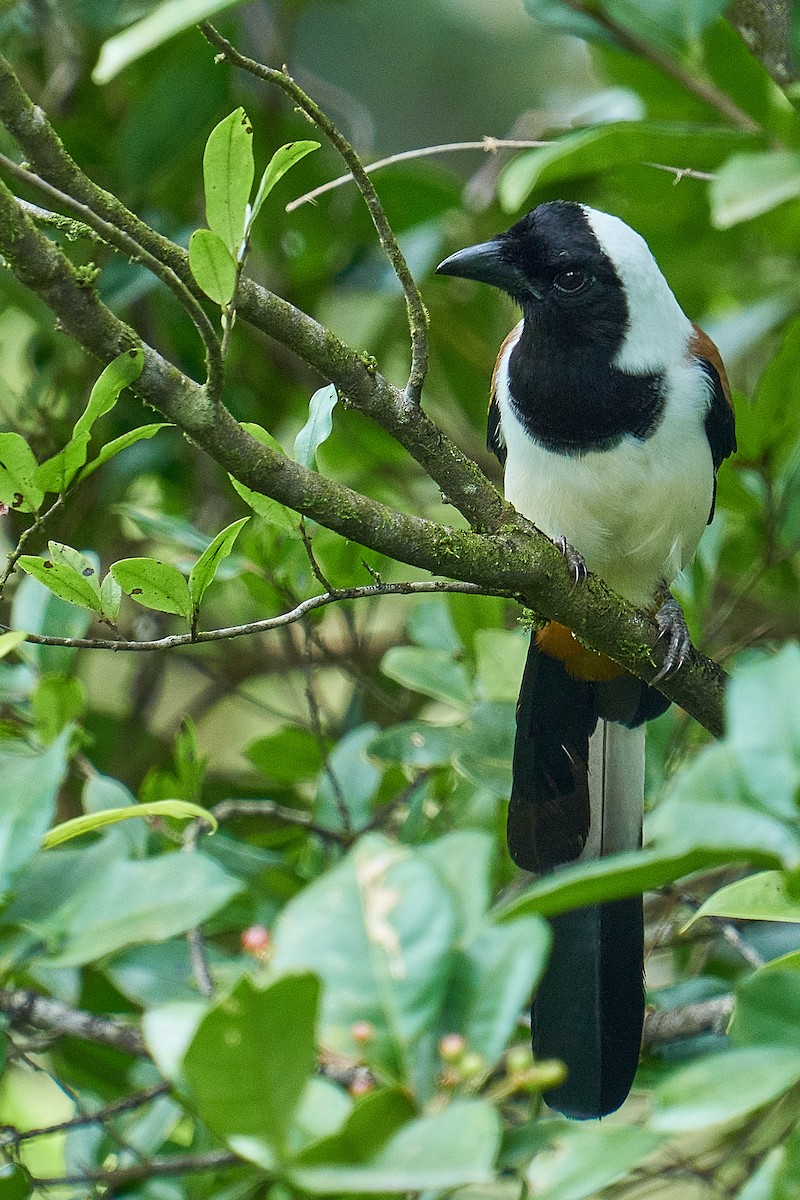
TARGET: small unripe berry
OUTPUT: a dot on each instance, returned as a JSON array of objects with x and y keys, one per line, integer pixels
[
  {"x": 362, "y": 1032},
  {"x": 361, "y": 1085},
  {"x": 451, "y": 1047},
  {"x": 518, "y": 1059},
  {"x": 255, "y": 940}
]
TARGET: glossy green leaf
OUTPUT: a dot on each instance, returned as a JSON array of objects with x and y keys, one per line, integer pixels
[
  {"x": 379, "y": 929},
  {"x": 583, "y": 1159},
  {"x": 182, "y": 810},
  {"x": 228, "y": 172},
  {"x": 282, "y": 161},
  {"x": 761, "y": 897},
  {"x": 31, "y": 780},
  {"x": 500, "y": 657},
  {"x": 605, "y": 147},
  {"x": 433, "y": 673},
  {"x": 133, "y": 902},
  {"x": 110, "y": 597},
  {"x": 203, "y": 572},
  {"x": 17, "y": 470},
  {"x": 57, "y": 701},
  {"x": 158, "y": 26},
  {"x": 212, "y": 265},
  {"x": 10, "y": 640},
  {"x": 67, "y": 556},
  {"x": 750, "y": 184},
  {"x": 118, "y": 444},
  {"x": 57, "y": 473},
  {"x": 448, "y": 1149},
  {"x": 62, "y": 580},
  {"x": 250, "y": 1060},
  {"x": 154, "y": 584},
  {"x": 350, "y": 778},
  {"x": 767, "y": 1010},
  {"x": 317, "y": 428},
  {"x": 724, "y": 1087},
  {"x": 264, "y": 506},
  {"x": 764, "y": 728}
]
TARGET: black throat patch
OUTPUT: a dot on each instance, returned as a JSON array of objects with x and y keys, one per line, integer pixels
[{"x": 566, "y": 391}]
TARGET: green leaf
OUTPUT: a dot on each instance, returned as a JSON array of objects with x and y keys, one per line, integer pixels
[
  {"x": 761, "y": 897},
  {"x": 204, "y": 570},
  {"x": 133, "y": 902},
  {"x": 228, "y": 172},
  {"x": 66, "y": 556},
  {"x": 57, "y": 473},
  {"x": 433, "y": 673},
  {"x": 317, "y": 428},
  {"x": 212, "y": 265},
  {"x": 17, "y": 470},
  {"x": 724, "y": 1087},
  {"x": 31, "y": 780},
  {"x": 286, "y": 756},
  {"x": 601, "y": 149},
  {"x": 154, "y": 584},
  {"x": 250, "y": 1060},
  {"x": 110, "y": 597},
  {"x": 582, "y": 1159},
  {"x": 282, "y": 160},
  {"x": 379, "y": 929},
  {"x": 182, "y": 810},
  {"x": 767, "y": 1010},
  {"x": 763, "y": 727},
  {"x": 750, "y": 184},
  {"x": 10, "y": 640},
  {"x": 448, "y": 1149},
  {"x": 118, "y": 444},
  {"x": 57, "y": 701},
  {"x": 419, "y": 744},
  {"x": 264, "y": 506},
  {"x": 62, "y": 580},
  {"x": 357, "y": 780},
  {"x": 500, "y": 657},
  {"x": 158, "y": 26}
]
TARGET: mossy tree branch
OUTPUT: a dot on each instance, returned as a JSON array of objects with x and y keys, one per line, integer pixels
[{"x": 502, "y": 552}]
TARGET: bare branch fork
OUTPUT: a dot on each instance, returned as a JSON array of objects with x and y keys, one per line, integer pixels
[{"x": 501, "y": 553}]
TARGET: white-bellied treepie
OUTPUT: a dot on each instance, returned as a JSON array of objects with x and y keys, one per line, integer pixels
[{"x": 610, "y": 412}]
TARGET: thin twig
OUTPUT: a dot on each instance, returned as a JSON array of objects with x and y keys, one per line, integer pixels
[
  {"x": 227, "y": 809},
  {"x": 689, "y": 1020},
  {"x": 71, "y": 228},
  {"x": 417, "y": 315},
  {"x": 125, "y": 243},
  {"x": 16, "y": 553},
  {"x": 176, "y": 640},
  {"x": 704, "y": 89},
  {"x": 11, "y": 1136},
  {"x": 490, "y": 145},
  {"x": 188, "y": 1164}
]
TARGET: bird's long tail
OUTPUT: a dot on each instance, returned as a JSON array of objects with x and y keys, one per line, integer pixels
[{"x": 577, "y": 795}]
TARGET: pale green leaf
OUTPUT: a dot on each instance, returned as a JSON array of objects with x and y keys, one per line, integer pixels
[
  {"x": 182, "y": 810},
  {"x": 724, "y": 1087},
  {"x": 204, "y": 570},
  {"x": 122, "y": 442},
  {"x": 264, "y": 506},
  {"x": 158, "y": 26},
  {"x": 62, "y": 580},
  {"x": 212, "y": 265},
  {"x": 110, "y": 597},
  {"x": 17, "y": 470},
  {"x": 433, "y": 673},
  {"x": 10, "y": 640},
  {"x": 154, "y": 584},
  {"x": 228, "y": 172},
  {"x": 750, "y": 184},
  {"x": 282, "y": 160},
  {"x": 761, "y": 897},
  {"x": 318, "y": 426}
]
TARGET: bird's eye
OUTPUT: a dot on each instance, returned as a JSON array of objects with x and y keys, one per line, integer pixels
[{"x": 571, "y": 282}]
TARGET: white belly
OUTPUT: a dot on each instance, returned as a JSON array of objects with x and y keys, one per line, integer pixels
[{"x": 635, "y": 513}]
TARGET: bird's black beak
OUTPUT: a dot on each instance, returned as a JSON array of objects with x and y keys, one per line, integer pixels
[{"x": 485, "y": 263}]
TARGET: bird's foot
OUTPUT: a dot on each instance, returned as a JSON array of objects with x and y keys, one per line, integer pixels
[
  {"x": 672, "y": 625},
  {"x": 574, "y": 560}
]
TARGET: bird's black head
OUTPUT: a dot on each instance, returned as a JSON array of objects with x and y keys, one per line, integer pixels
[{"x": 553, "y": 265}]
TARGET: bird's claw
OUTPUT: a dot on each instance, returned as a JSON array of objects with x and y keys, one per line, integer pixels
[
  {"x": 672, "y": 625},
  {"x": 574, "y": 560}
]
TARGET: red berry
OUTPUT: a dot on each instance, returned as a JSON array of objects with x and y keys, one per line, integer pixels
[
  {"x": 255, "y": 940},
  {"x": 362, "y": 1032}
]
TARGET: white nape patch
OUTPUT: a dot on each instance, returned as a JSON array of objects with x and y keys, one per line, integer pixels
[
  {"x": 635, "y": 512},
  {"x": 659, "y": 332}
]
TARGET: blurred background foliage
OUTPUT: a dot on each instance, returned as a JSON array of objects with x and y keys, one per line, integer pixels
[{"x": 379, "y": 734}]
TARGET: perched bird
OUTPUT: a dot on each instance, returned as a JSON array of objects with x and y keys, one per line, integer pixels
[{"x": 610, "y": 412}]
